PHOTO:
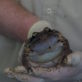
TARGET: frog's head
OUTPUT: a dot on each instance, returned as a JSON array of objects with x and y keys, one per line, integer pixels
[{"x": 45, "y": 48}]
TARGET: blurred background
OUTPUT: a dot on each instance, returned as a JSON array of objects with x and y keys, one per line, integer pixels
[{"x": 64, "y": 16}]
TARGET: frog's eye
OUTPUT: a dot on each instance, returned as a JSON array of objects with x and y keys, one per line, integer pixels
[
  {"x": 47, "y": 29},
  {"x": 35, "y": 33}
]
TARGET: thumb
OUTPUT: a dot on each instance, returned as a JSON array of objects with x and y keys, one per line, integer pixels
[{"x": 75, "y": 59}]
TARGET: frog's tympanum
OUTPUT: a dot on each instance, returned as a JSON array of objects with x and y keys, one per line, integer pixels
[{"x": 43, "y": 52}]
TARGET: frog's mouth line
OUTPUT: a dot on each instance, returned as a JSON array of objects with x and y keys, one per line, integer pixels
[{"x": 46, "y": 57}]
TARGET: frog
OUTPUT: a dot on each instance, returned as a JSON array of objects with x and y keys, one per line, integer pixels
[{"x": 42, "y": 53}]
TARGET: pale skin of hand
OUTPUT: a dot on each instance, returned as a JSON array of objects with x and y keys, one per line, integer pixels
[{"x": 15, "y": 22}]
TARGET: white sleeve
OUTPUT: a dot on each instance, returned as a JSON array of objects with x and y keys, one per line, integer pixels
[{"x": 37, "y": 27}]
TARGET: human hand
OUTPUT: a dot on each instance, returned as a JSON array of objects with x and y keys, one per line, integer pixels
[{"x": 71, "y": 68}]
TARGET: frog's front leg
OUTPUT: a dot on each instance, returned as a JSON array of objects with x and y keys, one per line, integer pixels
[{"x": 20, "y": 73}]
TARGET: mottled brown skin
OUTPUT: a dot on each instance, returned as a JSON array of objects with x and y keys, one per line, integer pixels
[{"x": 42, "y": 36}]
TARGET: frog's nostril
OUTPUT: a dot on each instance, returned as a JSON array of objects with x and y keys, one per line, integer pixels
[{"x": 49, "y": 47}]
